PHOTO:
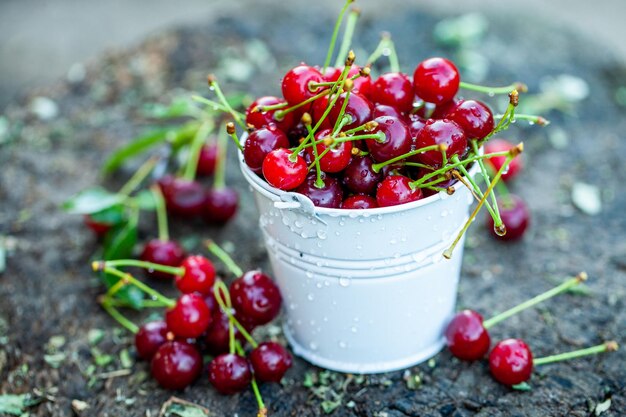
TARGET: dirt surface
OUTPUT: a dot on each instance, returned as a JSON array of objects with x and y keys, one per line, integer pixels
[{"x": 47, "y": 289}]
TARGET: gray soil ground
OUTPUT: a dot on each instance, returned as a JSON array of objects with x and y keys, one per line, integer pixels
[{"x": 47, "y": 289}]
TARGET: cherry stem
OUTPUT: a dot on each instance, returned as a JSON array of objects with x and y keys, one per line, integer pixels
[
  {"x": 116, "y": 302},
  {"x": 284, "y": 104},
  {"x": 610, "y": 346},
  {"x": 333, "y": 39},
  {"x": 142, "y": 172},
  {"x": 506, "y": 120},
  {"x": 471, "y": 185},
  {"x": 531, "y": 118},
  {"x": 219, "y": 180},
  {"x": 346, "y": 41},
  {"x": 253, "y": 383},
  {"x": 219, "y": 289},
  {"x": 379, "y": 166},
  {"x": 493, "y": 90},
  {"x": 224, "y": 257},
  {"x": 364, "y": 126},
  {"x": 214, "y": 105},
  {"x": 194, "y": 150},
  {"x": 418, "y": 165},
  {"x": 493, "y": 209},
  {"x": 279, "y": 115},
  {"x": 129, "y": 279},
  {"x": 581, "y": 277},
  {"x": 319, "y": 183},
  {"x": 214, "y": 85},
  {"x": 117, "y": 316},
  {"x": 341, "y": 120},
  {"x": 164, "y": 234},
  {"x": 387, "y": 48},
  {"x": 178, "y": 271}
]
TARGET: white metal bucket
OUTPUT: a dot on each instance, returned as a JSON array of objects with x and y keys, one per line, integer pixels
[{"x": 365, "y": 291}]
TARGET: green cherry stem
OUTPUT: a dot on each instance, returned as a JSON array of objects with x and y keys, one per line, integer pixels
[
  {"x": 178, "y": 271},
  {"x": 144, "y": 170},
  {"x": 164, "y": 234},
  {"x": 279, "y": 115},
  {"x": 255, "y": 387},
  {"x": 224, "y": 257},
  {"x": 116, "y": 302},
  {"x": 219, "y": 179},
  {"x": 214, "y": 105},
  {"x": 219, "y": 289},
  {"x": 213, "y": 84},
  {"x": 581, "y": 277},
  {"x": 507, "y": 117},
  {"x": 493, "y": 90},
  {"x": 377, "y": 167},
  {"x": 610, "y": 346},
  {"x": 531, "y": 118},
  {"x": 493, "y": 209},
  {"x": 129, "y": 279},
  {"x": 195, "y": 148},
  {"x": 319, "y": 183},
  {"x": 333, "y": 39},
  {"x": 348, "y": 33},
  {"x": 341, "y": 120},
  {"x": 386, "y": 48},
  {"x": 105, "y": 302}
]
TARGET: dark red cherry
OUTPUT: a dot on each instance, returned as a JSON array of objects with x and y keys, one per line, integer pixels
[
  {"x": 437, "y": 132},
  {"x": 149, "y": 338},
  {"x": 168, "y": 253},
  {"x": 441, "y": 110},
  {"x": 436, "y": 80},
  {"x": 359, "y": 201},
  {"x": 175, "y": 365},
  {"x": 296, "y": 85},
  {"x": 396, "y": 141},
  {"x": 190, "y": 317},
  {"x": 99, "y": 228},
  {"x": 270, "y": 361},
  {"x": 199, "y": 275},
  {"x": 358, "y": 108},
  {"x": 338, "y": 156},
  {"x": 474, "y": 117},
  {"x": 511, "y": 362},
  {"x": 515, "y": 216},
  {"x": 416, "y": 124},
  {"x": 501, "y": 145},
  {"x": 261, "y": 142},
  {"x": 359, "y": 176},
  {"x": 260, "y": 119},
  {"x": 393, "y": 89},
  {"x": 229, "y": 373},
  {"x": 330, "y": 195},
  {"x": 217, "y": 337},
  {"x": 207, "y": 159},
  {"x": 255, "y": 297},
  {"x": 445, "y": 183},
  {"x": 182, "y": 197},
  {"x": 317, "y": 111},
  {"x": 220, "y": 205},
  {"x": 386, "y": 110},
  {"x": 466, "y": 336},
  {"x": 396, "y": 189},
  {"x": 280, "y": 172}
]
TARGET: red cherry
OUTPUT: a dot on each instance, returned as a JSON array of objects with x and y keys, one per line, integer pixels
[
  {"x": 330, "y": 195},
  {"x": 359, "y": 176},
  {"x": 199, "y": 275},
  {"x": 220, "y": 205},
  {"x": 332, "y": 74},
  {"x": 515, "y": 216},
  {"x": 396, "y": 189},
  {"x": 99, "y": 228},
  {"x": 396, "y": 142},
  {"x": 168, "y": 253},
  {"x": 358, "y": 108},
  {"x": 466, "y": 336},
  {"x": 270, "y": 361},
  {"x": 393, "y": 89},
  {"x": 229, "y": 373},
  {"x": 501, "y": 145},
  {"x": 441, "y": 110},
  {"x": 474, "y": 117},
  {"x": 511, "y": 362},
  {"x": 362, "y": 85},
  {"x": 337, "y": 158},
  {"x": 437, "y": 132},
  {"x": 176, "y": 365},
  {"x": 182, "y": 197},
  {"x": 190, "y": 317},
  {"x": 260, "y": 119},
  {"x": 359, "y": 201},
  {"x": 281, "y": 173},
  {"x": 317, "y": 111},
  {"x": 436, "y": 80},
  {"x": 255, "y": 297},
  {"x": 149, "y": 338},
  {"x": 217, "y": 337},
  {"x": 207, "y": 159},
  {"x": 261, "y": 142},
  {"x": 386, "y": 110},
  {"x": 296, "y": 84}
]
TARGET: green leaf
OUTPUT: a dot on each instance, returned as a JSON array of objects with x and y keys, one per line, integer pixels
[
  {"x": 523, "y": 386},
  {"x": 145, "y": 200},
  {"x": 120, "y": 241},
  {"x": 175, "y": 407},
  {"x": 113, "y": 215},
  {"x": 55, "y": 360},
  {"x": 92, "y": 200},
  {"x": 14, "y": 404},
  {"x": 99, "y": 358}
]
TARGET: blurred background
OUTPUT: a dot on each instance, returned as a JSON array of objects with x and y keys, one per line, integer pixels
[{"x": 44, "y": 40}]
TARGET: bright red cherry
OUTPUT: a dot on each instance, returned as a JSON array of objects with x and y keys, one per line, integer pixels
[
  {"x": 149, "y": 338},
  {"x": 362, "y": 85},
  {"x": 396, "y": 141},
  {"x": 358, "y": 108},
  {"x": 255, "y": 297},
  {"x": 474, "y": 117},
  {"x": 175, "y": 365},
  {"x": 466, "y": 336},
  {"x": 436, "y": 80},
  {"x": 260, "y": 119},
  {"x": 168, "y": 253},
  {"x": 281, "y": 172},
  {"x": 220, "y": 205},
  {"x": 296, "y": 85},
  {"x": 261, "y": 142},
  {"x": 270, "y": 361},
  {"x": 396, "y": 189},
  {"x": 338, "y": 156},
  {"x": 394, "y": 89},
  {"x": 207, "y": 159},
  {"x": 199, "y": 275},
  {"x": 182, "y": 197},
  {"x": 386, "y": 110},
  {"x": 229, "y": 373},
  {"x": 501, "y": 145},
  {"x": 437, "y": 132},
  {"x": 330, "y": 195},
  {"x": 515, "y": 216},
  {"x": 359, "y": 201},
  {"x": 511, "y": 362},
  {"x": 190, "y": 317},
  {"x": 99, "y": 228},
  {"x": 441, "y": 110},
  {"x": 359, "y": 176}
]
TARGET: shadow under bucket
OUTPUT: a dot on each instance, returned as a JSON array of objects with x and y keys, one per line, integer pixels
[{"x": 365, "y": 291}]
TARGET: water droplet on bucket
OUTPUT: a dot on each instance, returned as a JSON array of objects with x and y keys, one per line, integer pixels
[
  {"x": 292, "y": 306},
  {"x": 326, "y": 283},
  {"x": 298, "y": 224},
  {"x": 344, "y": 281},
  {"x": 310, "y": 297},
  {"x": 342, "y": 344},
  {"x": 312, "y": 346},
  {"x": 325, "y": 319},
  {"x": 318, "y": 285},
  {"x": 361, "y": 220},
  {"x": 444, "y": 213},
  {"x": 321, "y": 234},
  {"x": 353, "y": 329},
  {"x": 342, "y": 223},
  {"x": 359, "y": 247}
]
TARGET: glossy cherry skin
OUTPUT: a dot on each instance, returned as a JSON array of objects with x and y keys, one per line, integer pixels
[
  {"x": 175, "y": 365},
  {"x": 220, "y": 205},
  {"x": 466, "y": 336},
  {"x": 168, "y": 253},
  {"x": 441, "y": 110},
  {"x": 386, "y": 110},
  {"x": 229, "y": 373},
  {"x": 149, "y": 338},
  {"x": 474, "y": 117},
  {"x": 515, "y": 216},
  {"x": 99, "y": 228},
  {"x": 437, "y": 132},
  {"x": 511, "y": 362},
  {"x": 397, "y": 140},
  {"x": 281, "y": 173},
  {"x": 199, "y": 275},
  {"x": 359, "y": 201},
  {"x": 207, "y": 159},
  {"x": 396, "y": 189},
  {"x": 416, "y": 124},
  {"x": 260, "y": 119},
  {"x": 217, "y": 337},
  {"x": 358, "y": 108},
  {"x": 436, "y": 80},
  {"x": 501, "y": 145},
  {"x": 359, "y": 175},
  {"x": 330, "y": 195},
  {"x": 255, "y": 297},
  {"x": 336, "y": 159},
  {"x": 393, "y": 89},
  {"x": 362, "y": 85},
  {"x": 270, "y": 361},
  {"x": 182, "y": 197},
  {"x": 261, "y": 142},
  {"x": 295, "y": 85},
  {"x": 190, "y": 317}
]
